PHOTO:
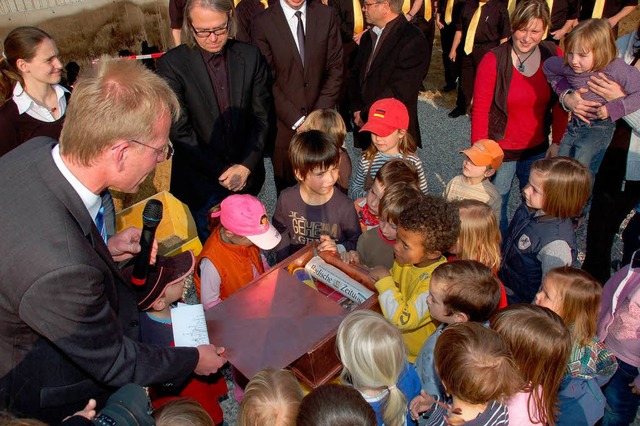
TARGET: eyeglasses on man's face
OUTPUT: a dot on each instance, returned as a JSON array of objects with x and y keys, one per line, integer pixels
[
  {"x": 207, "y": 33},
  {"x": 166, "y": 151},
  {"x": 366, "y": 5}
]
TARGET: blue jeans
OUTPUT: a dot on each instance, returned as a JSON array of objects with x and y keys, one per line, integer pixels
[
  {"x": 587, "y": 143},
  {"x": 201, "y": 215},
  {"x": 622, "y": 404},
  {"x": 503, "y": 179}
]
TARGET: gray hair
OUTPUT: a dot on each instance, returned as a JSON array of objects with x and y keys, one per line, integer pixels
[{"x": 222, "y": 6}]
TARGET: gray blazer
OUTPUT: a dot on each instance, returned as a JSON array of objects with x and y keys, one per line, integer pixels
[{"x": 68, "y": 321}]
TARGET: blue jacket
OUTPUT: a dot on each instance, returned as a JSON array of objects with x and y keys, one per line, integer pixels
[{"x": 521, "y": 271}]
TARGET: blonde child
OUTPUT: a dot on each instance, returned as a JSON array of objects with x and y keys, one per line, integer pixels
[
  {"x": 231, "y": 258},
  {"x": 330, "y": 121},
  {"x": 575, "y": 296},
  {"x": 460, "y": 291},
  {"x": 271, "y": 398},
  {"x": 477, "y": 370},
  {"x": 479, "y": 238},
  {"x": 540, "y": 344},
  {"x": 388, "y": 124},
  {"x": 332, "y": 404},
  {"x": 541, "y": 235},
  {"x": 426, "y": 229},
  {"x": 312, "y": 210},
  {"x": 590, "y": 49},
  {"x": 480, "y": 163},
  {"x": 375, "y": 246},
  {"x": 182, "y": 412},
  {"x": 393, "y": 171},
  {"x": 374, "y": 361}
]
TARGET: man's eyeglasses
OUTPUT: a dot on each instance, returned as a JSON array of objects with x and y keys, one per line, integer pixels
[
  {"x": 366, "y": 5},
  {"x": 167, "y": 151},
  {"x": 207, "y": 33}
]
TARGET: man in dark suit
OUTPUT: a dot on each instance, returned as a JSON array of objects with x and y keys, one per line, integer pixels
[
  {"x": 391, "y": 63},
  {"x": 286, "y": 33},
  {"x": 223, "y": 88},
  {"x": 68, "y": 321}
]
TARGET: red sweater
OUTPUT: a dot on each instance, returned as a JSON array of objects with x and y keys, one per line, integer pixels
[{"x": 527, "y": 101}]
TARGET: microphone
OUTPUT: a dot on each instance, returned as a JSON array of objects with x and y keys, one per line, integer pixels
[{"x": 151, "y": 217}]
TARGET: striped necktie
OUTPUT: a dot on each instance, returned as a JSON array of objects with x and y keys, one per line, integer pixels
[{"x": 99, "y": 220}]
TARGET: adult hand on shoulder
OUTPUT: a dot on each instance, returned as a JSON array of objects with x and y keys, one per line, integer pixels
[
  {"x": 126, "y": 244},
  {"x": 235, "y": 177},
  {"x": 357, "y": 119},
  {"x": 210, "y": 361},
  {"x": 357, "y": 37},
  {"x": 602, "y": 86},
  {"x": 583, "y": 109}
]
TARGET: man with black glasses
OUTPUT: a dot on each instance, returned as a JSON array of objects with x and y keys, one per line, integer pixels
[{"x": 223, "y": 88}]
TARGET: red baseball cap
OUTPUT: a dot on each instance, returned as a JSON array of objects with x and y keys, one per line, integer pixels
[{"x": 386, "y": 116}]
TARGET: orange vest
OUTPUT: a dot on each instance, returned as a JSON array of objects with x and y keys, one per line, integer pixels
[{"x": 232, "y": 262}]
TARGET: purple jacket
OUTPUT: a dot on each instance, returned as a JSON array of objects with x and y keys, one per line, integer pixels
[
  {"x": 562, "y": 77},
  {"x": 621, "y": 301}
]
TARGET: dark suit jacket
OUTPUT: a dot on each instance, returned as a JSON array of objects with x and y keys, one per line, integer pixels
[
  {"x": 68, "y": 321},
  {"x": 202, "y": 149},
  {"x": 298, "y": 90},
  {"x": 397, "y": 71}
]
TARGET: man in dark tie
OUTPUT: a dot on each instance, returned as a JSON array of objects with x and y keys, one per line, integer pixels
[
  {"x": 224, "y": 90},
  {"x": 391, "y": 63},
  {"x": 301, "y": 42},
  {"x": 69, "y": 326}
]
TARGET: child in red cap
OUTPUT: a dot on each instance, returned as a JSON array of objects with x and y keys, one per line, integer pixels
[
  {"x": 480, "y": 163},
  {"x": 388, "y": 123},
  {"x": 231, "y": 257}
]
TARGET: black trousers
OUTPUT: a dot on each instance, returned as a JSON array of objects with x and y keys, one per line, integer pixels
[
  {"x": 450, "y": 69},
  {"x": 468, "y": 66}
]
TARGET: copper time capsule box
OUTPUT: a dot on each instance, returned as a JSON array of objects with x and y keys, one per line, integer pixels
[{"x": 277, "y": 321}]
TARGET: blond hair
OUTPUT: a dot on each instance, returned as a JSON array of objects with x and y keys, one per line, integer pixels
[
  {"x": 328, "y": 121},
  {"x": 528, "y": 11},
  {"x": 121, "y": 100},
  {"x": 579, "y": 296},
  {"x": 182, "y": 412},
  {"x": 475, "y": 365},
  {"x": 541, "y": 345},
  {"x": 373, "y": 355},
  {"x": 271, "y": 398},
  {"x": 566, "y": 186},
  {"x": 592, "y": 35},
  {"x": 479, "y": 233},
  {"x": 222, "y": 6}
]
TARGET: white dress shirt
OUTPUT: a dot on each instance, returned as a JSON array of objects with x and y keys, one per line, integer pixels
[
  {"x": 292, "y": 20},
  {"x": 27, "y": 105}
]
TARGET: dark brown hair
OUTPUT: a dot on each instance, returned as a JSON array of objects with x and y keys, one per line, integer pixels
[
  {"x": 311, "y": 150},
  {"x": 398, "y": 170},
  {"x": 21, "y": 43},
  {"x": 395, "y": 200}
]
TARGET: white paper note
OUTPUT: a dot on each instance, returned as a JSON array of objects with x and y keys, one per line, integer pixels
[{"x": 189, "y": 325}]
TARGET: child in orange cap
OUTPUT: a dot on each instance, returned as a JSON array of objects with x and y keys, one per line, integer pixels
[
  {"x": 480, "y": 163},
  {"x": 388, "y": 124}
]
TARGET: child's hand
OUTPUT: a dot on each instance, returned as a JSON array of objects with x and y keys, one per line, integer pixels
[
  {"x": 634, "y": 389},
  {"x": 378, "y": 272},
  {"x": 420, "y": 404},
  {"x": 327, "y": 244},
  {"x": 602, "y": 113},
  {"x": 350, "y": 257}
]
